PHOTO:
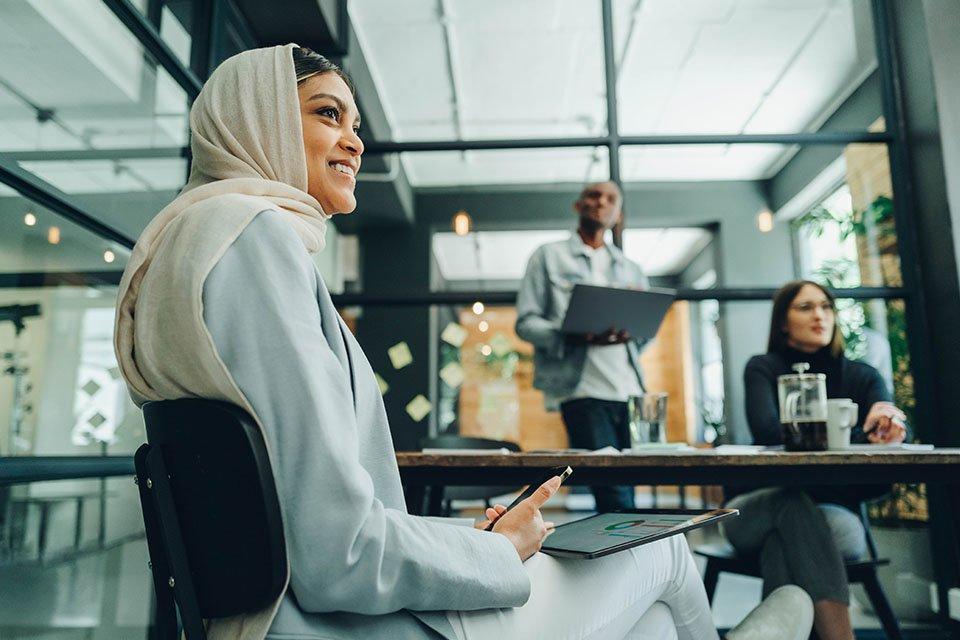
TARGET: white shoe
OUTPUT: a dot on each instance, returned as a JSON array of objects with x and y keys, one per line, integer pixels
[{"x": 786, "y": 614}]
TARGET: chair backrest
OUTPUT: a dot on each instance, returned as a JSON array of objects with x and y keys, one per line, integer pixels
[
  {"x": 450, "y": 441},
  {"x": 865, "y": 521},
  {"x": 211, "y": 510}
]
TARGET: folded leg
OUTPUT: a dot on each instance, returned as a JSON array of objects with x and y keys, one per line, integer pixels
[{"x": 601, "y": 599}]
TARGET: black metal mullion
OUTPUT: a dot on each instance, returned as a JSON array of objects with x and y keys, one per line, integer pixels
[
  {"x": 481, "y": 145},
  {"x": 151, "y": 41},
  {"x": 828, "y": 138},
  {"x": 154, "y": 13},
  {"x": 373, "y": 147},
  {"x": 33, "y": 188},
  {"x": 201, "y": 31},
  {"x": 610, "y": 78},
  {"x": 37, "y": 279},
  {"x": 904, "y": 204},
  {"x": 68, "y": 155},
  {"x": 944, "y": 530},
  {"x": 732, "y": 294},
  {"x": 26, "y": 469},
  {"x": 813, "y": 138},
  {"x": 613, "y": 122}
]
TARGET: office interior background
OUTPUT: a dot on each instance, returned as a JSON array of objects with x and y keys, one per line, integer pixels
[{"x": 756, "y": 141}]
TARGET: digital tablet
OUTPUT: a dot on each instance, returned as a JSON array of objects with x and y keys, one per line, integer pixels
[
  {"x": 607, "y": 533},
  {"x": 594, "y": 309}
]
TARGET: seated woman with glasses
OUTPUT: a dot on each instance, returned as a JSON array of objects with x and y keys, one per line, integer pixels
[{"x": 804, "y": 535}]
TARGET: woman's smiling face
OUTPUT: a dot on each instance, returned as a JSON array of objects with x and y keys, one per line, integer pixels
[{"x": 333, "y": 149}]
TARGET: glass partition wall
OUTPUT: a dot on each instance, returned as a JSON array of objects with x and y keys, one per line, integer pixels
[{"x": 93, "y": 142}]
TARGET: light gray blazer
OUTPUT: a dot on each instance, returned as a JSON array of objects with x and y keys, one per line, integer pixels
[{"x": 361, "y": 566}]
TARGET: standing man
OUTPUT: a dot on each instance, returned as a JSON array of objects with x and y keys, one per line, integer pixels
[{"x": 589, "y": 376}]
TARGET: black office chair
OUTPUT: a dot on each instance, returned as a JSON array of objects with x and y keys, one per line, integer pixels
[
  {"x": 723, "y": 558},
  {"x": 211, "y": 514},
  {"x": 465, "y": 493}
]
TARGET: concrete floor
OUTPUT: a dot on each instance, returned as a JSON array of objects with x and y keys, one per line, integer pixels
[{"x": 106, "y": 596}]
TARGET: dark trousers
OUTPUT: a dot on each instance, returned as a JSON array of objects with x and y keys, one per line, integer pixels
[
  {"x": 795, "y": 541},
  {"x": 592, "y": 424}
]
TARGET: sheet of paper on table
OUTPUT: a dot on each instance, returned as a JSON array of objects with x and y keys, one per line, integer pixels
[
  {"x": 739, "y": 449},
  {"x": 465, "y": 452},
  {"x": 605, "y": 451},
  {"x": 659, "y": 449},
  {"x": 898, "y": 446}
]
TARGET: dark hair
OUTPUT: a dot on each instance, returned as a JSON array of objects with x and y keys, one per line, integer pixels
[
  {"x": 781, "y": 307},
  {"x": 308, "y": 63}
]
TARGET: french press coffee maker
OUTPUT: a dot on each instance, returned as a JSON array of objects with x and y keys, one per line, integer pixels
[{"x": 803, "y": 409}]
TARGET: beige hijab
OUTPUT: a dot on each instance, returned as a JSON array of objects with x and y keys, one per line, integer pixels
[{"x": 248, "y": 156}]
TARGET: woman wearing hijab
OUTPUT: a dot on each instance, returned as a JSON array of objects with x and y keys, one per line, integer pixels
[
  {"x": 803, "y": 536},
  {"x": 222, "y": 300}
]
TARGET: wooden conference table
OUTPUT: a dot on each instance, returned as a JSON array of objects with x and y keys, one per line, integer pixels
[
  {"x": 696, "y": 467},
  {"x": 418, "y": 471}
]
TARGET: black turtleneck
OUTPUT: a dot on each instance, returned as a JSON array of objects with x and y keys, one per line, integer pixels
[{"x": 845, "y": 379}]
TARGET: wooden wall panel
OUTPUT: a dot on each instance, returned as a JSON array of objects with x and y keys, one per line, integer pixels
[
  {"x": 667, "y": 365},
  {"x": 528, "y": 423},
  {"x": 514, "y": 410}
]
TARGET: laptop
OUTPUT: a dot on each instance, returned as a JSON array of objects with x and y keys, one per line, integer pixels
[{"x": 594, "y": 309}]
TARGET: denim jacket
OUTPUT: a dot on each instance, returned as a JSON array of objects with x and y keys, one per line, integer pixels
[{"x": 542, "y": 303}]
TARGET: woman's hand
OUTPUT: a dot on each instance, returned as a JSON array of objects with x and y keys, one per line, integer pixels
[
  {"x": 884, "y": 424},
  {"x": 491, "y": 515},
  {"x": 523, "y": 525}
]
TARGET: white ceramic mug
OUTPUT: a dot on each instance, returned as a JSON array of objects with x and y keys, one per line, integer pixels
[{"x": 841, "y": 417}]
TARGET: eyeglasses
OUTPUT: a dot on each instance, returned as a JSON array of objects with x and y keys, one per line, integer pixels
[{"x": 808, "y": 307}]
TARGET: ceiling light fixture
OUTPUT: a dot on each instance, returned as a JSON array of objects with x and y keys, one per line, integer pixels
[
  {"x": 765, "y": 221},
  {"x": 478, "y": 307},
  {"x": 29, "y": 219},
  {"x": 53, "y": 235},
  {"x": 483, "y": 326},
  {"x": 462, "y": 223},
  {"x": 109, "y": 256}
]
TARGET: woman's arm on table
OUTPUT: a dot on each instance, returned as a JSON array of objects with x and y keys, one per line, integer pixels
[{"x": 885, "y": 422}]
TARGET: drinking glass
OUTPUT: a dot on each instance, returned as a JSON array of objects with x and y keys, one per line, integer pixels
[{"x": 648, "y": 418}]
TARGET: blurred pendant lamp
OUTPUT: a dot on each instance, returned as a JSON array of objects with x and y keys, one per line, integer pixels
[{"x": 462, "y": 223}]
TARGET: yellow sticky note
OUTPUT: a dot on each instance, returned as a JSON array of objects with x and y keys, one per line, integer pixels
[
  {"x": 384, "y": 387},
  {"x": 454, "y": 334},
  {"x": 452, "y": 374},
  {"x": 501, "y": 345},
  {"x": 418, "y": 408},
  {"x": 400, "y": 355}
]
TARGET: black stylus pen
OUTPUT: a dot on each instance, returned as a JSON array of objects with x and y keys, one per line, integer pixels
[{"x": 563, "y": 472}]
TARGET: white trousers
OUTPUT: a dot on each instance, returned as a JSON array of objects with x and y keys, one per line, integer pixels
[{"x": 649, "y": 592}]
